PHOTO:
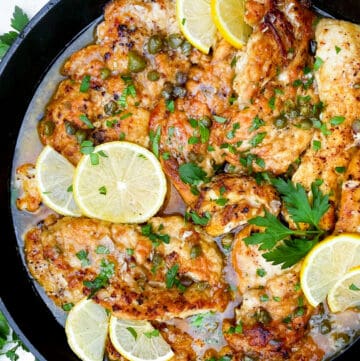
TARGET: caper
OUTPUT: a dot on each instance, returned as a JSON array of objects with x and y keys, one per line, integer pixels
[
  {"x": 167, "y": 90},
  {"x": 306, "y": 124},
  {"x": 305, "y": 110},
  {"x": 280, "y": 122},
  {"x": 180, "y": 78},
  {"x": 110, "y": 108},
  {"x": 206, "y": 122},
  {"x": 48, "y": 128},
  {"x": 227, "y": 241},
  {"x": 195, "y": 251},
  {"x": 288, "y": 106},
  {"x": 179, "y": 92},
  {"x": 157, "y": 260},
  {"x": 69, "y": 128},
  {"x": 356, "y": 126},
  {"x": 175, "y": 40},
  {"x": 155, "y": 44},
  {"x": 80, "y": 135},
  {"x": 195, "y": 157},
  {"x": 341, "y": 339},
  {"x": 186, "y": 281},
  {"x": 136, "y": 62},
  {"x": 153, "y": 75},
  {"x": 186, "y": 48},
  {"x": 263, "y": 316},
  {"x": 105, "y": 73},
  {"x": 325, "y": 327}
]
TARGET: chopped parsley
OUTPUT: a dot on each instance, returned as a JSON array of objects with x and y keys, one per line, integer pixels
[
  {"x": 132, "y": 331},
  {"x": 155, "y": 140},
  {"x": 257, "y": 139},
  {"x": 67, "y": 306},
  {"x": 103, "y": 190},
  {"x": 86, "y": 121},
  {"x": 155, "y": 238},
  {"x": 83, "y": 257},
  {"x": 337, "y": 49},
  {"x": 220, "y": 120},
  {"x": 256, "y": 124},
  {"x": 337, "y": 120},
  {"x": 85, "y": 84},
  {"x": 197, "y": 219},
  {"x": 340, "y": 170},
  {"x": 102, "y": 250},
  {"x": 318, "y": 63},
  {"x": 261, "y": 272},
  {"x": 153, "y": 333},
  {"x": 172, "y": 280},
  {"x": 192, "y": 174},
  {"x": 353, "y": 287},
  {"x": 316, "y": 145},
  {"x": 170, "y": 105}
]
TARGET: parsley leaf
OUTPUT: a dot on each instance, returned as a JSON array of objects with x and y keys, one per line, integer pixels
[
  {"x": 171, "y": 276},
  {"x": 297, "y": 202},
  {"x": 19, "y": 19},
  {"x": 289, "y": 253},
  {"x": 287, "y": 246},
  {"x": 155, "y": 140},
  {"x": 192, "y": 174}
]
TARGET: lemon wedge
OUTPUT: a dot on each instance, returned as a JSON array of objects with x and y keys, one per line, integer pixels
[
  {"x": 346, "y": 292},
  {"x": 138, "y": 340},
  {"x": 228, "y": 16},
  {"x": 54, "y": 174},
  {"x": 125, "y": 185},
  {"x": 86, "y": 330},
  {"x": 327, "y": 263},
  {"x": 196, "y": 24}
]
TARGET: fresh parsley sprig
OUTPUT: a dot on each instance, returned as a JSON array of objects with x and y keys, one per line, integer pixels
[
  {"x": 295, "y": 243},
  {"x": 18, "y": 23}
]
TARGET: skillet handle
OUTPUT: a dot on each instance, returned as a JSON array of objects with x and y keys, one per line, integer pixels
[{"x": 341, "y": 9}]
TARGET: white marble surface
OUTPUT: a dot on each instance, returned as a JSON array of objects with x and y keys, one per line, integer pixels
[{"x": 31, "y": 7}]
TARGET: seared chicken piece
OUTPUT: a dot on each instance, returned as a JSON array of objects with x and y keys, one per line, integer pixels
[
  {"x": 30, "y": 199},
  {"x": 232, "y": 200},
  {"x": 274, "y": 318},
  {"x": 338, "y": 79},
  {"x": 349, "y": 209},
  {"x": 275, "y": 93},
  {"x": 162, "y": 270},
  {"x": 117, "y": 100},
  {"x": 251, "y": 268}
]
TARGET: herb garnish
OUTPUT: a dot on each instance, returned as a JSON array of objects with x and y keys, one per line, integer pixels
[
  {"x": 295, "y": 243},
  {"x": 18, "y": 23},
  {"x": 153, "y": 333},
  {"x": 107, "y": 270},
  {"x": 353, "y": 287},
  {"x": 85, "y": 84},
  {"x": 83, "y": 257},
  {"x": 86, "y": 121},
  {"x": 197, "y": 219},
  {"x": 172, "y": 280},
  {"x": 155, "y": 140},
  {"x": 155, "y": 238}
]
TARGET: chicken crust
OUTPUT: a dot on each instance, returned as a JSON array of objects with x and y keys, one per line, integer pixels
[{"x": 151, "y": 278}]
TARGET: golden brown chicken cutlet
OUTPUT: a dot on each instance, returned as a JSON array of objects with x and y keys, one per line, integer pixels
[{"x": 161, "y": 270}]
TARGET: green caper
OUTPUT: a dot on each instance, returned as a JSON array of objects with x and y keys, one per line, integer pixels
[
  {"x": 136, "y": 62},
  {"x": 306, "y": 124},
  {"x": 227, "y": 241},
  {"x": 157, "y": 260},
  {"x": 206, "y": 122},
  {"x": 186, "y": 48},
  {"x": 325, "y": 327},
  {"x": 167, "y": 90},
  {"x": 288, "y": 106},
  {"x": 262, "y": 316},
  {"x": 80, "y": 135},
  {"x": 305, "y": 110},
  {"x": 175, "y": 40},
  {"x": 48, "y": 128},
  {"x": 280, "y": 122},
  {"x": 195, "y": 251},
  {"x": 155, "y": 44},
  {"x": 110, "y": 108},
  {"x": 179, "y": 92},
  {"x": 356, "y": 126},
  {"x": 105, "y": 73},
  {"x": 202, "y": 285},
  {"x": 69, "y": 128},
  {"x": 153, "y": 75},
  {"x": 180, "y": 78},
  {"x": 341, "y": 339},
  {"x": 195, "y": 157}
]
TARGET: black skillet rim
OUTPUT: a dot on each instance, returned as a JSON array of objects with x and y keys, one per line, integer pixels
[{"x": 20, "y": 72}]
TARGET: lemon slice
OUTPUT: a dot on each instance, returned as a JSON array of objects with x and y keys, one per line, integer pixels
[
  {"x": 138, "y": 340},
  {"x": 326, "y": 263},
  {"x": 86, "y": 330},
  {"x": 54, "y": 175},
  {"x": 126, "y": 186},
  {"x": 346, "y": 292},
  {"x": 196, "y": 24},
  {"x": 228, "y": 16}
]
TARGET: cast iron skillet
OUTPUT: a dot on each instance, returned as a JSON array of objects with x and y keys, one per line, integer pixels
[{"x": 20, "y": 72}]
